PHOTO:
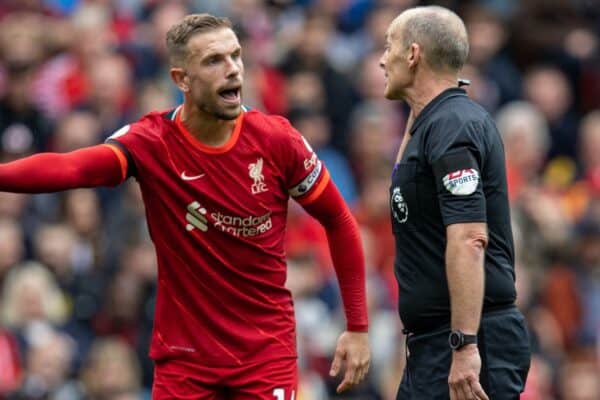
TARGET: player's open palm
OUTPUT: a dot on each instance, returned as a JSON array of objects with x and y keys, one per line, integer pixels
[
  {"x": 464, "y": 375},
  {"x": 352, "y": 354}
]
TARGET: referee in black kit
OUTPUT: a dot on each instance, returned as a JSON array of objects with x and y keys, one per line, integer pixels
[{"x": 451, "y": 220}]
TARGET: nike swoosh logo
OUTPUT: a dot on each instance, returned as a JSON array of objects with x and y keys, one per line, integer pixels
[{"x": 190, "y": 178}]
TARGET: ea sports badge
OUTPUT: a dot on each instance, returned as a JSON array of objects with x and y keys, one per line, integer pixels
[{"x": 462, "y": 182}]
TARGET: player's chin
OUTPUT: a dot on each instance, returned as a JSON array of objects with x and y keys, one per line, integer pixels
[{"x": 230, "y": 112}]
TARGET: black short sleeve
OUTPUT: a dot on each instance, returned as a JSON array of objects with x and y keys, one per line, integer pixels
[{"x": 456, "y": 160}]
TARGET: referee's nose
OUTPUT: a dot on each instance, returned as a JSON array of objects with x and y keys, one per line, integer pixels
[{"x": 382, "y": 60}]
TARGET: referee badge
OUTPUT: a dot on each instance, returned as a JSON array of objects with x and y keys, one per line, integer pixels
[
  {"x": 462, "y": 182},
  {"x": 398, "y": 206}
]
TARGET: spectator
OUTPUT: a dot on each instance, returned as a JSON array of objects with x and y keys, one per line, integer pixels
[
  {"x": 548, "y": 89},
  {"x": 111, "y": 369},
  {"x": 48, "y": 367},
  {"x": 11, "y": 245},
  {"x": 31, "y": 294}
]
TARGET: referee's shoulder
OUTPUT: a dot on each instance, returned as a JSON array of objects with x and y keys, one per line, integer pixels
[{"x": 463, "y": 111}]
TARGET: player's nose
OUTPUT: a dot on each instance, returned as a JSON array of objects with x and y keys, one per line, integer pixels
[{"x": 233, "y": 67}]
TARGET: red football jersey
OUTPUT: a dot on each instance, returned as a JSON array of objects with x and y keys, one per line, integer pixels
[{"x": 217, "y": 217}]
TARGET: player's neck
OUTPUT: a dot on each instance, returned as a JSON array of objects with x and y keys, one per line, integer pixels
[
  {"x": 206, "y": 128},
  {"x": 426, "y": 88}
]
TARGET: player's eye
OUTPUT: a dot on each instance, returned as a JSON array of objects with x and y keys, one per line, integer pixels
[{"x": 212, "y": 60}]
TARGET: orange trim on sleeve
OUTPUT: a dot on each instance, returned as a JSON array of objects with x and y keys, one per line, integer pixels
[
  {"x": 317, "y": 191},
  {"x": 122, "y": 159}
]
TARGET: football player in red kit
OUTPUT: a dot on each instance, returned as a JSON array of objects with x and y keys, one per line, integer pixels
[{"x": 216, "y": 179}]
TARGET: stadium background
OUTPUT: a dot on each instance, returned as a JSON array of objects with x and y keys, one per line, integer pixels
[{"x": 77, "y": 269}]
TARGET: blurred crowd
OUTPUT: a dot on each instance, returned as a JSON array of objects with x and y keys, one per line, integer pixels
[{"x": 78, "y": 271}]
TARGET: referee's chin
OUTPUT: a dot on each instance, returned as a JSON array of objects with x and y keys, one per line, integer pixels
[{"x": 390, "y": 95}]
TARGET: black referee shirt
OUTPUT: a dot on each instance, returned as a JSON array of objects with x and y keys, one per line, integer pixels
[{"x": 452, "y": 171}]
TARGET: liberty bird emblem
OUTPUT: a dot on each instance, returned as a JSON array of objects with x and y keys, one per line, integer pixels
[{"x": 255, "y": 172}]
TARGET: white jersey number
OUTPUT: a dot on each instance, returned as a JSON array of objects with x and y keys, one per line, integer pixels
[{"x": 279, "y": 394}]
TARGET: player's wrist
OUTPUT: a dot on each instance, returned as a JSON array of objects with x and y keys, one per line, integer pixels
[{"x": 358, "y": 328}]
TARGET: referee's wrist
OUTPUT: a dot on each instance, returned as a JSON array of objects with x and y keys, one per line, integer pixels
[{"x": 467, "y": 348}]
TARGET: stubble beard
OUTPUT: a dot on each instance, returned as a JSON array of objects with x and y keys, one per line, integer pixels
[{"x": 219, "y": 112}]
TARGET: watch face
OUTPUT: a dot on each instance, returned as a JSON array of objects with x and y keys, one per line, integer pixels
[{"x": 454, "y": 339}]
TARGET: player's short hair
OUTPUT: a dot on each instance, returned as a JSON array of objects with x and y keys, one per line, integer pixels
[
  {"x": 180, "y": 33},
  {"x": 441, "y": 34}
]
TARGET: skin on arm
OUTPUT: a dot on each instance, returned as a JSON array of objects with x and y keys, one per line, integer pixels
[{"x": 465, "y": 254}]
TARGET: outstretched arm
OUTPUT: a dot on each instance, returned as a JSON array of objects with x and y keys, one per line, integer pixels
[
  {"x": 101, "y": 165},
  {"x": 346, "y": 251}
]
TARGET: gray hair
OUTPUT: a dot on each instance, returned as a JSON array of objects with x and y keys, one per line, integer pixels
[
  {"x": 441, "y": 34},
  {"x": 521, "y": 117}
]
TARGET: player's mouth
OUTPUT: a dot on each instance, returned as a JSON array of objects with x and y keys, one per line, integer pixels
[{"x": 231, "y": 94}]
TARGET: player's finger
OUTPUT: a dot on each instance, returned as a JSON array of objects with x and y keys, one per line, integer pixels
[
  {"x": 360, "y": 376},
  {"x": 336, "y": 363},
  {"x": 364, "y": 370},
  {"x": 352, "y": 371},
  {"x": 478, "y": 390},
  {"x": 348, "y": 380},
  {"x": 363, "y": 376}
]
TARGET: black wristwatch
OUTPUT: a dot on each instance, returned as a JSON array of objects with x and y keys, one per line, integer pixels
[{"x": 457, "y": 340}]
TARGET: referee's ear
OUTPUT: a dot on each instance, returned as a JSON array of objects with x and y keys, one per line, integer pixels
[
  {"x": 180, "y": 78},
  {"x": 414, "y": 55}
]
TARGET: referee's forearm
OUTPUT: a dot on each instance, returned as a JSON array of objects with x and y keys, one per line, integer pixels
[{"x": 465, "y": 253}]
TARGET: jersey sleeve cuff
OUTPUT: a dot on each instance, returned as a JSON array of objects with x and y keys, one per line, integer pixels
[
  {"x": 460, "y": 219},
  {"x": 125, "y": 157},
  {"x": 357, "y": 327},
  {"x": 122, "y": 159}
]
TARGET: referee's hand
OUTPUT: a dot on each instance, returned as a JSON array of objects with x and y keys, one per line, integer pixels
[
  {"x": 353, "y": 350},
  {"x": 464, "y": 375}
]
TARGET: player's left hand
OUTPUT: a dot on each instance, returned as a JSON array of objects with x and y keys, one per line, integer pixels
[{"x": 353, "y": 350}]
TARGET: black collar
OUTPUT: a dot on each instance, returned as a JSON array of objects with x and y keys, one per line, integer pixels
[{"x": 433, "y": 104}]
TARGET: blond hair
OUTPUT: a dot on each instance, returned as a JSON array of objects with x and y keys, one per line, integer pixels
[
  {"x": 32, "y": 277},
  {"x": 180, "y": 33}
]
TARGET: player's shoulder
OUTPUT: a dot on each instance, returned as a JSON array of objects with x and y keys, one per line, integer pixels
[
  {"x": 152, "y": 124},
  {"x": 158, "y": 120},
  {"x": 268, "y": 125}
]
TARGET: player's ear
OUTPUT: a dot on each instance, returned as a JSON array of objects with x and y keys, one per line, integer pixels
[{"x": 180, "y": 78}]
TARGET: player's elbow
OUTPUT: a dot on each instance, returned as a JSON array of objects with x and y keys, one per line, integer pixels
[{"x": 338, "y": 219}]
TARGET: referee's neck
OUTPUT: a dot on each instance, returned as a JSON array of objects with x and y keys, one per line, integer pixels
[{"x": 427, "y": 87}]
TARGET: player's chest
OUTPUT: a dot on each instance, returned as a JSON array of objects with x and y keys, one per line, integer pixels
[{"x": 244, "y": 179}]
